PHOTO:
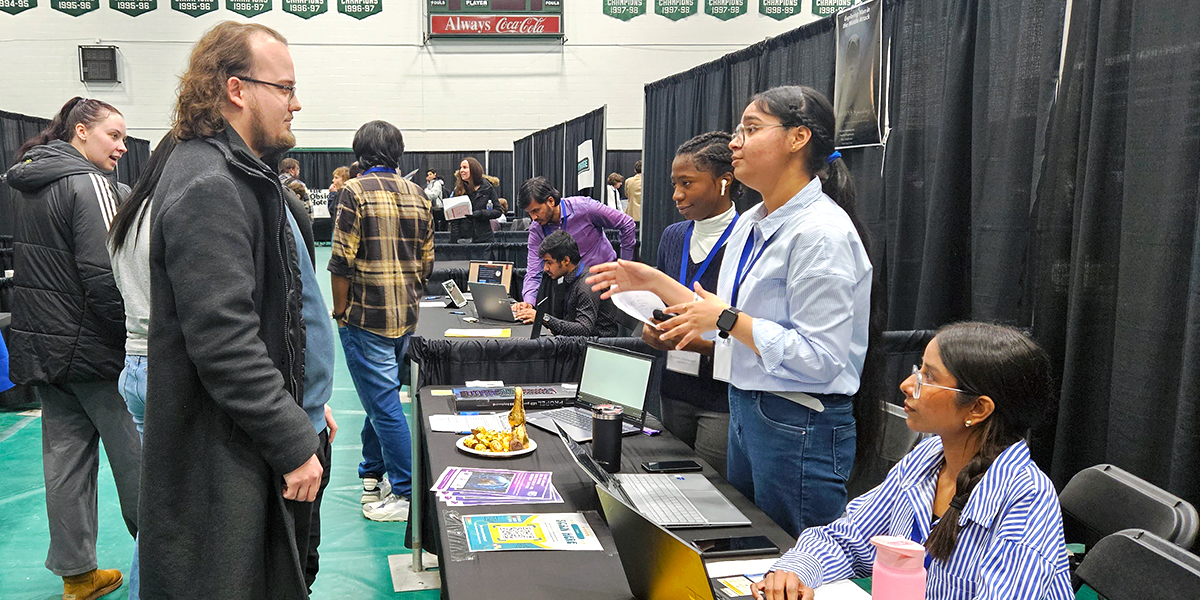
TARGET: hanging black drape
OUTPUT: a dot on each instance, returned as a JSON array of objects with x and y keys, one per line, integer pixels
[
  {"x": 500, "y": 164},
  {"x": 316, "y": 166},
  {"x": 621, "y": 161},
  {"x": 15, "y": 129},
  {"x": 575, "y": 132},
  {"x": 1116, "y": 265},
  {"x": 548, "y": 153}
]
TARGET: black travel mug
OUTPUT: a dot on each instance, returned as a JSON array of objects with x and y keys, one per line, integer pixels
[{"x": 606, "y": 436}]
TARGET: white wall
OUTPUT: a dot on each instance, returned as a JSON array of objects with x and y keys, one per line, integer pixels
[{"x": 445, "y": 95}]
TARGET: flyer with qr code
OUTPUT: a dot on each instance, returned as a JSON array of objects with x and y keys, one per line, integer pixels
[{"x": 554, "y": 531}]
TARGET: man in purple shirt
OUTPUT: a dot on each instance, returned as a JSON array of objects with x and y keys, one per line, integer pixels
[{"x": 582, "y": 217}]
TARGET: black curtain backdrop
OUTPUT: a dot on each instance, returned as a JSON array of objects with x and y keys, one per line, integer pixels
[
  {"x": 522, "y": 167},
  {"x": 549, "y": 155},
  {"x": 317, "y": 165},
  {"x": 576, "y": 131},
  {"x": 621, "y": 161},
  {"x": 500, "y": 164},
  {"x": 1116, "y": 261},
  {"x": 15, "y": 129}
]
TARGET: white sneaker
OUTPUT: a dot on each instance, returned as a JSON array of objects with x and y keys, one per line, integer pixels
[
  {"x": 375, "y": 490},
  {"x": 391, "y": 508}
]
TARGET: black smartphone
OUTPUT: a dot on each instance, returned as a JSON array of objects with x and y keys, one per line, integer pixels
[
  {"x": 672, "y": 466},
  {"x": 662, "y": 316},
  {"x": 735, "y": 546}
]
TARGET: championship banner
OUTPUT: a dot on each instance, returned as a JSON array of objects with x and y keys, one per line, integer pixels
[
  {"x": 676, "y": 9},
  {"x": 824, "y": 8},
  {"x": 725, "y": 9},
  {"x": 194, "y": 8},
  {"x": 248, "y": 8},
  {"x": 624, "y": 9},
  {"x": 360, "y": 9},
  {"x": 75, "y": 7},
  {"x": 305, "y": 9},
  {"x": 779, "y": 9},
  {"x": 858, "y": 79},
  {"x": 13, "y": 7},
  {"x": 132, "y": 8},
  {"x": 496, "y": 18}
]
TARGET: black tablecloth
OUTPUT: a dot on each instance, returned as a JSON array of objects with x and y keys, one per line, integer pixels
[{"x": 531, "y": 575}]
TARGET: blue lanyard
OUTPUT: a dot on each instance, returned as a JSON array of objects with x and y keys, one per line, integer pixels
[
  {"x": 687, "y": 244},
  {"x": 380, "y": 170},
  {"x": 746, "y": 250},
  {"x": 916, "y": 537}
]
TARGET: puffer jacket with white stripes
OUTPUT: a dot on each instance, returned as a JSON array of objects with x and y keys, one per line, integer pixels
[{"x": 68, "y": 321}]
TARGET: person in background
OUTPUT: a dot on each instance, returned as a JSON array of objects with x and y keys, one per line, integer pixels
[
  {"x": 793, "y": 312},
  {"x": 612, "y": 192},
  {"x": 301, "y": 193},
  {"x": 340, "y": 176},
  {"x": 235, "y": 443},
  {"x": 633, "y": 191},
  {"x": 289, "y": 171},
  {"x": 382, "y": 258},
  {"x": 435, "y": 191},
  {"x": 67, "y": 336},
  {"x": 582, "y": 217},
  {"x": 695, "y": 407},
  {"x": 573, "y": 309},
  {"x": 474, "y": 184},
  {"x": 988, "y": 517}
]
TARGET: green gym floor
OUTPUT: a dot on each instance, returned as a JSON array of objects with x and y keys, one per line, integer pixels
[{"x": 354, "y": 551}]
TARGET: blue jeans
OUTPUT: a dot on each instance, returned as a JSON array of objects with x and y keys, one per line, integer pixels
[
  {"x": 790, "y": 460},
  {"x": 132, "y": 385},
  {"x": 374, "y": 362}
]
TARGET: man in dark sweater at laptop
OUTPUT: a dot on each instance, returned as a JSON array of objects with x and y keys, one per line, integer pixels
[{"x": 570, "y": 306}]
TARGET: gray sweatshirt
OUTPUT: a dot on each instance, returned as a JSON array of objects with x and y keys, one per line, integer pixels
[{"x": 131, "y": 269}]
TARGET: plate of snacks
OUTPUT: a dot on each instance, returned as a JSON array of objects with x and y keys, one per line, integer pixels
[{"x": 501, "y": 444}]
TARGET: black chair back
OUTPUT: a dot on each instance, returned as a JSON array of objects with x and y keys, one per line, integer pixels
[
  {"x": 1134, "y": 564},
  {"x": 1104, "y": 499}
]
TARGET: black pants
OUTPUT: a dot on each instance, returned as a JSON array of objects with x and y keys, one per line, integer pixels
[{"x": 308, "y": 530}]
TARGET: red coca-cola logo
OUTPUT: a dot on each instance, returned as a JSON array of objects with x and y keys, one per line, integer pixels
[{"x": 494, "y": 25}]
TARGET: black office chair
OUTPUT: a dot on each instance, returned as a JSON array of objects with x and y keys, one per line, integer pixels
[
  {"x": 1136, "y": 564},
  {"x": 1104, "y": 499}
]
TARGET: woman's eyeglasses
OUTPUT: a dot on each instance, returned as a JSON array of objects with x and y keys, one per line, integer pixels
[{"x": 920, "y": 379}]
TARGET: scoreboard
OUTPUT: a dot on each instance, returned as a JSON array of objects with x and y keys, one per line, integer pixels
[{"x": 495, "y": 18}]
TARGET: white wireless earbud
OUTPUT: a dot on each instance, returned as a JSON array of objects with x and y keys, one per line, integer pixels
[{"x": 723, "y": 184}]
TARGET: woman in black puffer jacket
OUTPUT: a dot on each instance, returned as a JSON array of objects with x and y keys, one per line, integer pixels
[
  {"x": 68, "y": 328},
  {"x": 485, "y": 205}
]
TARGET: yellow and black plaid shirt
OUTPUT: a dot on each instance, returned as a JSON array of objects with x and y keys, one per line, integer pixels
[{"x": 383, "y": 243}]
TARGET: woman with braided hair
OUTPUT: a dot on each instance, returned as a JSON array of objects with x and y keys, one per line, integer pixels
[
  {"x": 987, "y": 515},
  {"x": 793, "y": 312}
]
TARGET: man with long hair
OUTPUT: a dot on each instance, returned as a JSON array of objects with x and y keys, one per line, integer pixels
[{"x": 235, "y": 423}]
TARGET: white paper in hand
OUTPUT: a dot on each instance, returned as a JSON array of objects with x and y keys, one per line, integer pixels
[{"x": 639, "y": 304}]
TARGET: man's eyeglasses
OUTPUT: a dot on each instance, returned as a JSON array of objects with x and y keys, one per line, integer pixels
[
  {"x": 741, "y": 132},
  {"x": 920, "y": 379},
  {"x": 290, "y": 89}
]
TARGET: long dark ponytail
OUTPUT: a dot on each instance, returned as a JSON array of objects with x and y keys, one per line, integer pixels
[
  {"x": 800, "y": 106},
  {"x": 130, "y": 214},
  {"x": 88, "y": 111},
  {"x": 1007, "y": 366}
]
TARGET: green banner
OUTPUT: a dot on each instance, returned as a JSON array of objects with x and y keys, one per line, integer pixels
[
  {"x": 824, "y": 8},
  {"x": 625, "y": 9},
  {"x": 75, "y": 7},
  {"x": 194, "y": 8},
  {"x": 726, "y": 9},
  {"x": 360, "y": 9},
  {"x": 248, "y": 8},
  {"x": 133, "y": 8},
  {"x": 13, "y": 7},
  {"x": 305, "y": 9},
  {"x": 779, "y": 9},
  {"x": 676, "y": 9}
]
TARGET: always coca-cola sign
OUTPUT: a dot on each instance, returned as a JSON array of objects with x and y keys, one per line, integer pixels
[{"x": 506, "y": 25}]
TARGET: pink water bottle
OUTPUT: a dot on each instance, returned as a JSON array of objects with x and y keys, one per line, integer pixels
[{"x": 899, "y": 571}]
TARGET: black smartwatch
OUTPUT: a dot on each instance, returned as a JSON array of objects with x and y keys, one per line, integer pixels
[{"x": 727, "y": 320}]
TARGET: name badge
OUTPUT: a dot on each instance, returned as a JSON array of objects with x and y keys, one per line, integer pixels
[
  {"x": 682, "y": 361},
  {"x": 722, "y": 359}
]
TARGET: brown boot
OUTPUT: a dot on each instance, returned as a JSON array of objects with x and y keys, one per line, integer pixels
[{"x": 91, "y": 585}]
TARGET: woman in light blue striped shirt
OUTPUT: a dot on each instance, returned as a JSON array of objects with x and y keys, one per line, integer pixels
[{"x": 989, "y": 518}]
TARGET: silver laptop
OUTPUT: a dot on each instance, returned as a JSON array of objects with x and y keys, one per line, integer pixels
[
  {"x": 670, "y": 500},
  {"x": 610, "y": 376},
  {"x": 492, "y": 301},
  {"x": 658, "y": 564}
]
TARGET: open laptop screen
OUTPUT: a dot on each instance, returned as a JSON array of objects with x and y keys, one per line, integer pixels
[
  {"x": 614, "y": 376},
  {"x": 483, "y": 272}
]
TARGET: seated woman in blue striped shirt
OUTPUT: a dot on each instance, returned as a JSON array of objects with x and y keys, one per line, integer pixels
[{"x": 988, "y": 517}]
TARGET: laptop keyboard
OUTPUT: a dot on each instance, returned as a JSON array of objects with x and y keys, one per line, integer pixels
[
  {"x": 658, "y": 499},
  {"x": 582, "y": 419}
]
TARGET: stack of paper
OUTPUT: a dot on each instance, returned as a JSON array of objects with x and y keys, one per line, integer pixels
[{"x": 462, "y": 486}]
